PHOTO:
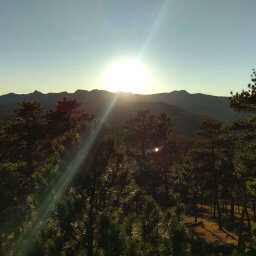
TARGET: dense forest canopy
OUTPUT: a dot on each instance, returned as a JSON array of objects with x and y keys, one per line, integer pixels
[{"x": 71, "y": 185}]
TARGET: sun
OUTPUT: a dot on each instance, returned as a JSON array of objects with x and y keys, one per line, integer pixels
[{"x": 127, "y": 76}]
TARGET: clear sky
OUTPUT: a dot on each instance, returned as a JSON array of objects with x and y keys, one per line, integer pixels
[{"x": 206, "y": 46}]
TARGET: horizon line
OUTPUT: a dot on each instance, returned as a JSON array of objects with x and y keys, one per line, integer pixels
[{"x": 146, "y": 94}]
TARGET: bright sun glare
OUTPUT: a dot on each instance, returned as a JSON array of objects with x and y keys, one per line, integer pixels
[{"x": 127, "y": 76}]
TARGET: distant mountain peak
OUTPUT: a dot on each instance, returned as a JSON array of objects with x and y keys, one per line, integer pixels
[
  {"x": 37, "y": 92},
  {"x": 180, "y": 91},
  {"x": 80, "y": 91}
]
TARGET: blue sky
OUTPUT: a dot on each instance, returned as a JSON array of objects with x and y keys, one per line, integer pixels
[{"x": 195, "y": 45}]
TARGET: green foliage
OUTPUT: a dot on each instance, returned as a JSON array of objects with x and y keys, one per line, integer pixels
[
  {"x": 246, "y": 100},
  {"x": 111, "y": 238},
  {"x": 179, "y": 211},
  {"x": 70, "y": 186}
]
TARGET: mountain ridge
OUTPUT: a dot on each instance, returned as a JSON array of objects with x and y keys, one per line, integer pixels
[{"x": 185, "y": 108}]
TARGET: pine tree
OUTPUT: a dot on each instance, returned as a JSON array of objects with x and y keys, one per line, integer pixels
[{"x": 210, "y": 140}]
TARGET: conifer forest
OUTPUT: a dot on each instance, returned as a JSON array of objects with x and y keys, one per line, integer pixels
[{"x": 72, "y": 185}]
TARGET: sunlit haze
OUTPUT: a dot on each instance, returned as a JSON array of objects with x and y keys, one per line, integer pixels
[
  {"x": 127, "y": 76},
  {"x": 198, "y": 46}
]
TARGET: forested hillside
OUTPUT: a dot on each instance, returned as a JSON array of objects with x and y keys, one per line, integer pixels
[
  {"x": 71, "y": 185},
  {"x": 198, "y": 104},
  {"x": 184, "y": 108}
]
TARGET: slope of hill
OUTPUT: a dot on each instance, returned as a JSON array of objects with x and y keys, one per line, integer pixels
[
  {"x": 185, "y": 108},
  {"x": 200, "y": 104},
  {"x": 185, "y": 122}
]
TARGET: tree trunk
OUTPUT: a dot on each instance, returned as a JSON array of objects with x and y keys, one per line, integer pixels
[
  {"x": 91, "y": 221},
  {"x": 223, "y": 203},
  {"x": 201, "y": 208},
  {"x": 218, "y": 209},
  {"x": 226, "y": 205},
  {"x": 166, "y": 186},
  {"x": 211, "y": 203},
  {"x": 253, "y": 208},
  {"x": 1, "y": 246},
  {"x": 214, "y": 206},
  {"x": 232, "y": 209},
  {"x": 195, "y": 206},
  {"x": 248, "y": 218},
  {"x": 216, "y": 196},
  {"x": 240, "y": 234}
]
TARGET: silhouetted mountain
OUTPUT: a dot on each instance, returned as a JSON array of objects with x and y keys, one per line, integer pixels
[
  {"x": 200, "y": 104},
  {"x": 184, "y": 108}
]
